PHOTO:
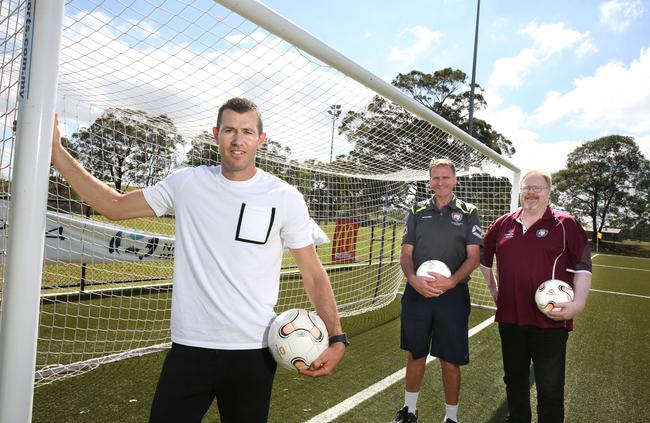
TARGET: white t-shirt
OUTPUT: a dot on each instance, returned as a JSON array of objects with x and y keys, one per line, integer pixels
[{"x": 228, "y": 254}]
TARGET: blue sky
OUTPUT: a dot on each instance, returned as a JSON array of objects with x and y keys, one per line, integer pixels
[{"x": 556, "y": 73}]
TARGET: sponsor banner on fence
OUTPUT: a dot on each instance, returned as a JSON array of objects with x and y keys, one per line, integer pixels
[
  {"x": 344, "y": 245},
  {"x": 70, "y": 239}
]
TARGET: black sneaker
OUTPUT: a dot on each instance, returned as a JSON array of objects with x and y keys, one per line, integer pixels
[
  {"x": 448, "y": 420},
  {"x": 403, "y": 416}
]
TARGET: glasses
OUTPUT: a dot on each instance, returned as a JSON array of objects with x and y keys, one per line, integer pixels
[{"x": 532, "y": 188}]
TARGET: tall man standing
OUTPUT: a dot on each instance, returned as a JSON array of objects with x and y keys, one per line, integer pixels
[
  {"x": 222, "y": 307},
  {"x": 435, "y": 309},
  {"x": 534, "y": 244}
]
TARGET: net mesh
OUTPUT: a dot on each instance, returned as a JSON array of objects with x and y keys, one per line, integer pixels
[{"x": 139, "y": 86}]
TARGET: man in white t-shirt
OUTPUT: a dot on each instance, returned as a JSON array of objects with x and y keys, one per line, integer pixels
[{"x": 232, "y": 222}]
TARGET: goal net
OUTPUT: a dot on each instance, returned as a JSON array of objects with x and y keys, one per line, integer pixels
[{"x": 139, "y": 86}]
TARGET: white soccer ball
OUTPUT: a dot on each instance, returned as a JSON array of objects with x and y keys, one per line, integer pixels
[
  {"x": 551, "y": 292},
  {"x": 433, "y": 266},
  {"x": 297, "y": 337}
]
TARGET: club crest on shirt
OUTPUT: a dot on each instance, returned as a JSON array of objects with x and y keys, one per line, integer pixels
[
  {"x": 541, "y": 233},
  {"x": 510, "y": 233},
  {"x": 456, "y": 218}
]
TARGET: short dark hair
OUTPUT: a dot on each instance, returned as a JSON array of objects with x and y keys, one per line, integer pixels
[{"x": 240, "y": 105}]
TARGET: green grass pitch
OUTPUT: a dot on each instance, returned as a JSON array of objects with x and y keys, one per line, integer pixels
[{"x": 608, "y": 368}]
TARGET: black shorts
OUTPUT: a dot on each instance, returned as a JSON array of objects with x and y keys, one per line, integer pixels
[
  {"x": 436, "y": 326},
  {"x": 191, "y": 378}
]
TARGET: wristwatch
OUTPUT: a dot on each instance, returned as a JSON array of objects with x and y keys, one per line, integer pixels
[{"x": 343, "y": 337}]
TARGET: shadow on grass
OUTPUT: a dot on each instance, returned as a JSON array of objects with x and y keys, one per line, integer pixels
[{"x": 499, "y": 415}]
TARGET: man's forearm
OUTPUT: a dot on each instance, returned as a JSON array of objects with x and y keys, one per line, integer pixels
[
  {"x": 581, "y": 285},
  {"x": 100, "y": 196},
  {"x": 488, "y": 275},
  {"x": 322, "y": 298}
]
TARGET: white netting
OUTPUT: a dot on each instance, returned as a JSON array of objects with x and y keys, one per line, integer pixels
[{"x": 139, "y": 87}]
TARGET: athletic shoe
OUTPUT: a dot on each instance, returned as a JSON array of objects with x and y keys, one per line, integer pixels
[
  {"x": 403, "y": 416},
  {"x": 448, "y": 420}
]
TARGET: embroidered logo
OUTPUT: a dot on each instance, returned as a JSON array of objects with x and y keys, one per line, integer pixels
[
  {"x": 456, "y": 217},
  {"x": 541, "y": 233},
  {"x": 510, "y": 233}
]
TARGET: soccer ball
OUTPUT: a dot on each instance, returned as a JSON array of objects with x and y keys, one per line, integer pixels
[
  {"x": 552, "y": 292},
  {"x": 297, "y": 337},
  {"x": 433, "y": 266}
]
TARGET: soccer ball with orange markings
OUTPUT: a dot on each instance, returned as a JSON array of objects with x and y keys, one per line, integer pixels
[
  {"x": 297, "y": 337},
  {"x": 552, "y": 292}
]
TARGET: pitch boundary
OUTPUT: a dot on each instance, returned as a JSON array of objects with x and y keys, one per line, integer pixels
[
  {"x": 620, "y": 293},
  {"x": 624, "y": 268},
  {"x": 351, "y": 402}
]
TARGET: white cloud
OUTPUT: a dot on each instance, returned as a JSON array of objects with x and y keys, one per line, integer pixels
[
  {"x": 586, "y": 47},
  {"x": 644, "y": 144},
  {"x": 619, "y": 14},
  {"x": 547, "y": 41},
  {"x": 509, "y": 71},
  {"x": 423, "y": 39},
  {"x": 551, "y": 39},
  {"x": 549, "y": 157},
  {"x": 246, "y": 39},
  {"x": 187, "y": 81},
  {"x": 512, "y": 122},
  {"x": 616, "y": 98}
]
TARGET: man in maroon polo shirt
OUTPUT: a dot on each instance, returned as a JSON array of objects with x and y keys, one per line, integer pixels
[{"x": 534, "y": 244}]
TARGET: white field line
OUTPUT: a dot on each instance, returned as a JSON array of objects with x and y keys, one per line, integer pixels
[
  {"x": 620, "y": 293},
  {"x": 614, "y": 255},
  {"x": 624, "y": 268},
  {"x": 348, "y": 404},
  {"x": 616, "y": 267}
]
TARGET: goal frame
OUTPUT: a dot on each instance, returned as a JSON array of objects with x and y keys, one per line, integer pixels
[{"x": 27, "y": 214}]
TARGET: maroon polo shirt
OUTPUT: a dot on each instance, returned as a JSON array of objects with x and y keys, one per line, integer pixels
[{"x": 525, "y": 260}]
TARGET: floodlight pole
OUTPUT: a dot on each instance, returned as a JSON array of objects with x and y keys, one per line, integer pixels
[
  {"x": 334, "y": 112},
  {"x": 471, "y": 89},
  {"x": 26, "y": 221}
]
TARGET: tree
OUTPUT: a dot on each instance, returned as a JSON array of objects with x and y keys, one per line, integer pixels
[
  {"x": 203, "y": 151},
  {"x": 386, "y": 131},
  {"x": 126, "y": 147},
  {"x": 606, "y": 180},
  {"x": 386, "y": 136}
]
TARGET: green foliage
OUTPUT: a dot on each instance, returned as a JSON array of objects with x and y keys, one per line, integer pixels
[
  {"x": 385, "y": 133},
  {"x": 125, "y": 147},
  {"x": 203, "y": 151},
  {"x": 606, "y": 181}
]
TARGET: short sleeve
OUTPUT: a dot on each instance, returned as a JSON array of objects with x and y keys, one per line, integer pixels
[
  {"x": 475, "y": 233},
  {"x": 161, "y": 195},
  {"x": 578, "y": 247},
  {"x": 409, "y": 229},
  {"x": 489, "y": 243},
  {"x": 296, "y": 231}
]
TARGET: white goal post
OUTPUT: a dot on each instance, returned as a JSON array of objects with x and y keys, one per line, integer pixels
[
  {"x": 137, "y": 91},
  {"x": 24, "y": 253}
]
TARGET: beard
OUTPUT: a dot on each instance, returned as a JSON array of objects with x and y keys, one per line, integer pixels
[{"x": 533, "y": 205}]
